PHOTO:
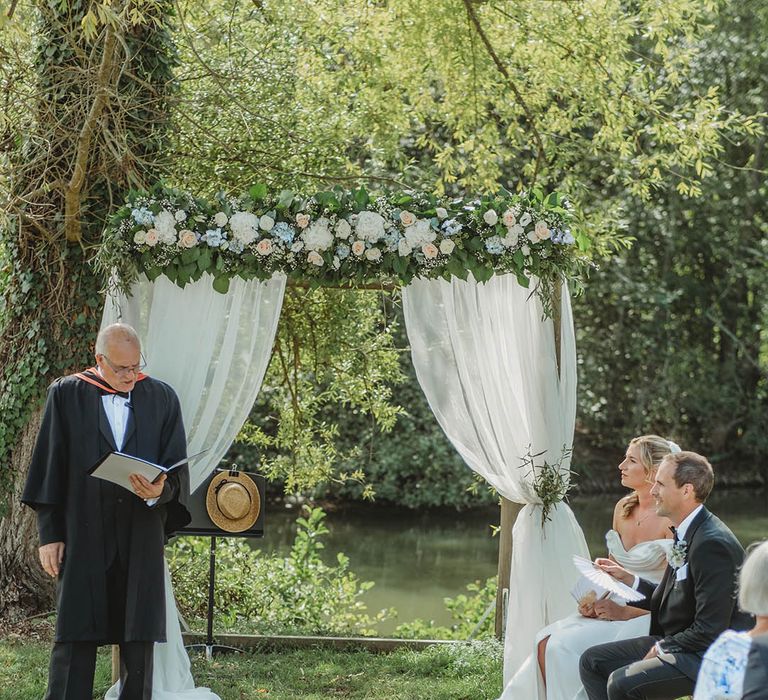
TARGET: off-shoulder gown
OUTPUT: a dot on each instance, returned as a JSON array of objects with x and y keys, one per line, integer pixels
[{"x": 570, "y": 637}]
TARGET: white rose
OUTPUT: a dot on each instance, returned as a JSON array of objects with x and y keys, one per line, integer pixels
[
  {"x": 264, "y": 246},
  {"x": 525, "y": 250},
  {"x": 151, "y": 238},
  {"x": 358, "y": 248},
  {"x": 302, "y": 220},
  {"x": 140, "y": 238},
  {"x": 373, "y": 254},
  {"x": 509, "y": 218},
  {"x": 429, "y": 250},
  {"x": 266, "y": 223},
  {"x": 525, "y": 219},
  {"x": 407, "y": 217},
  {"x": 447, "y": 246},
  {"x": 343, "y": 229},
  {"x": 511, "y": 239},
  {"x": 542, "y": 230},
  {"x": 180, "y": 215},
  {"x": 491, "y": 217},
  {"x": 318, "y": 236},
  {"x": 404, "y": 247},
  {"x": 220, "y": 219},
  {"x": 532, "y": 237},
  {"x": 187, "y": 239},
  {"x": 296, "y": 246},
  {"x": 369, "y": 226},
  {"x": 441, "y": 213},
  {"x": 420, "y": 233},
  {"x": 315, "y": 258},
  {"x": 244, "y": 227}
]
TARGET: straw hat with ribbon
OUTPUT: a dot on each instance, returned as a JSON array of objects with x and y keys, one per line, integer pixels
[{"x": 233, "y": 501}]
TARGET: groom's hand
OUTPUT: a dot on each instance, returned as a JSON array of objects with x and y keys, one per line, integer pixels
[{"x": 612, "y": 568}]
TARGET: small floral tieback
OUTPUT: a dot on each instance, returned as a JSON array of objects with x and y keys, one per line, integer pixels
[{"x": 677, "y": 554}]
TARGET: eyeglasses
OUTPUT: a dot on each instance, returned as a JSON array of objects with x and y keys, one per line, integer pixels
[{"x": 125, "y": 371}]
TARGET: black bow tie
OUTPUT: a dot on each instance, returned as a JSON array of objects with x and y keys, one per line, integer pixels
[
  {"x": 673, "y": 530},
  {"x": 124, "y": 394}
]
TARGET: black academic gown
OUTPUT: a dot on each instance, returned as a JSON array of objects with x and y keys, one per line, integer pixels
[{"x": 90, "y": 516}]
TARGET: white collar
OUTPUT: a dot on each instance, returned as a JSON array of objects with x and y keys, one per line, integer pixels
[{"x": 682, "y": 528}]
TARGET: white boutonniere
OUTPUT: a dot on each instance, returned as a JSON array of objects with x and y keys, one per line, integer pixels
[{"x": 678, "y": 554}]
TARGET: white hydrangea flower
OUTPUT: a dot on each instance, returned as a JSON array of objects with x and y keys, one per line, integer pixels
[
  {"x": 369, "y": 226},
  {"x": 318, "y": 236},
  {"x": 419, "y": 233},
  {"x": 511, "y": 239},
  {"x": 404, "y": 247},
  {"x": 244, "y": 227},
  {"x": 165, "y": 225}
]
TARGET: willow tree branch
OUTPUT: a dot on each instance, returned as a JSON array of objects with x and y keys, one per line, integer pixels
[
  {"x": 518, "y": 95},
  {"x": 74, "y": 187}
]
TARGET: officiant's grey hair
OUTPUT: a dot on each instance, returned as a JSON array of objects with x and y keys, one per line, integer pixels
[{"x": 115, "y": 332}]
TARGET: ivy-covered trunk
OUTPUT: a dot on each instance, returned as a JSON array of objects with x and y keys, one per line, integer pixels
[{"x": 102, "y": 99}]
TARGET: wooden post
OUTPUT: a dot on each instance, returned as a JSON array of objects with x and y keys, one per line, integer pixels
[
  {"x": 510, "y": 510},
  {"x": 115, "y": 663}
]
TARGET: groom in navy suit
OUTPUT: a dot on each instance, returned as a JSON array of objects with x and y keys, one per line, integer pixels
[{"x": 693, "y": 604}]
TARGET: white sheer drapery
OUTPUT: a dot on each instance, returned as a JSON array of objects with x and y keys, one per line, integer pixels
[
  {"x": 213, "y": 349},
  {"x": 486, "y": 360}
]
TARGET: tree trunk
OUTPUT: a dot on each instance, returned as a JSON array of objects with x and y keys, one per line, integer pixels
[{"x": 102, "y": 106}]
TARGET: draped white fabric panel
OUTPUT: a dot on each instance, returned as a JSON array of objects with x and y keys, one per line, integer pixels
[
  {"x": 486, "y": 360},
  {"x": 212, "y": 348}
]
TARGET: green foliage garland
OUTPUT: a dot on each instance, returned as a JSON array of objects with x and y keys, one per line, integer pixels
[{"x": 345, "y": 237}]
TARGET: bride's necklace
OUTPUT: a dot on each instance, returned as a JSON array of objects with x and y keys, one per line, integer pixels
[{"x": 638, "y": 521}]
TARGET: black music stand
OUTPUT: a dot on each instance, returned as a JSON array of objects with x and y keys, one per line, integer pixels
[{"x": 201, "y": 524}]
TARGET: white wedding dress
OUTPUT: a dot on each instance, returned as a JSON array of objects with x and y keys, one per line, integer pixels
[
  {"x": 171, "y": 674},
  {"x": 570, "y": 637}
]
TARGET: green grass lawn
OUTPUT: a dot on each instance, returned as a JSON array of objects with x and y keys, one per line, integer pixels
[{"x": 471, "y": 672}]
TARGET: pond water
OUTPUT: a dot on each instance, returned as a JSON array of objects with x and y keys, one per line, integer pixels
[{"x": 418, "y": 558}]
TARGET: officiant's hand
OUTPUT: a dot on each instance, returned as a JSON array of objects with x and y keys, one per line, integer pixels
[
  {"x": 606, "y": 609},
  {"x": 612, "y": 568},
  {"x": 51, "y": 556},
  {"x": 144, "y": 488}
]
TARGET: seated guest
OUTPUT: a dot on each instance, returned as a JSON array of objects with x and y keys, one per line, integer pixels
[
  {"x": 722, "y": 673},
  {"x": 693, "y": 604},
  {"x": 756, "y": 675},
  {"x": 639, "y": 541}
]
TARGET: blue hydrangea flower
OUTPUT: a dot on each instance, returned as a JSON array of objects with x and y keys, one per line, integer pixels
[
  {"x": 568, "y": 238},
  {"x": 142, "y": 216},
  {"x": 557, "y": 235},
  {"x": 342, "y": 251},
  {"x": 451, "y": 227},
  {"x": 494, "y": 245},
  {"x": 214, "y": 237},
  {"x": 236, "y": 246},
  {"x": 391, "y": 239},
  {"x": 283, "y": 232}
]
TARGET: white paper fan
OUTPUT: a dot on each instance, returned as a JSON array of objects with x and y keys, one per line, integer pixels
[{"x": 605, "y": 580}]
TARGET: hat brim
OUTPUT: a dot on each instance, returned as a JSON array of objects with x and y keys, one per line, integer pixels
[{"x": 214, "y": 513}]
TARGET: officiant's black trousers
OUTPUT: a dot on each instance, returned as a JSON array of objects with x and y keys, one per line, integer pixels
[
  {"x": 614, "y": 671},
  {"x": 73, "y": 663}
]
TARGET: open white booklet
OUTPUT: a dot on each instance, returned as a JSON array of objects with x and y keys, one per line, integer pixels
[
  {"x": 595, "y": 584},
  {"x": 118, "y": 466}
]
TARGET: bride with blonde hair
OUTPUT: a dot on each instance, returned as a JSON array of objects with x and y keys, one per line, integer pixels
[{"x": 638, "y": 540}]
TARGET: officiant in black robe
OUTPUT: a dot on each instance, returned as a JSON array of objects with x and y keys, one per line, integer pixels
[{"x": 102, "y": 542}]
